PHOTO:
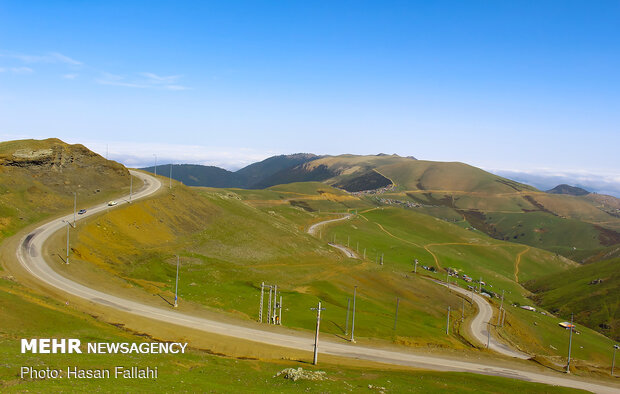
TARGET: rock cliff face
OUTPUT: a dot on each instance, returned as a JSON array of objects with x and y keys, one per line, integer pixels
[{"x": 55, "y": 156}]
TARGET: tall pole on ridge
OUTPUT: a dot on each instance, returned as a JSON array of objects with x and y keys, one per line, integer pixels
[
  {"x": 176, "y": 287},
  {"x": 353, "y": 320},
  {"x": 570, "y": 343},
  {"x": 346, "y": 329},
  {"x": 260, "y": 311},
  {"x": 68, "y": 224},
  {"x": 396, "y": 314}
]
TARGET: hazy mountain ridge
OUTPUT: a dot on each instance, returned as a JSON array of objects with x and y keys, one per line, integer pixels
[{"x": 253, "y": 176}]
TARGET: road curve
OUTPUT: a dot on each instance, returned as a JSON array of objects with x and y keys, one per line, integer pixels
[
  {"x": 479, "y": 324},
  {"x": 29, "y": 254},
  {"x": 315, "y": 227}
]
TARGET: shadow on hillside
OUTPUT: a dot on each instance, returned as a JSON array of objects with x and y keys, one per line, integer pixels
[{"x": 162, "y": 297}]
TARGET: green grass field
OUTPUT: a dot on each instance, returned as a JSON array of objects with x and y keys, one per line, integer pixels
[
  {"x": 578, "y": 291},
  {"x": 193, "y": 371}
]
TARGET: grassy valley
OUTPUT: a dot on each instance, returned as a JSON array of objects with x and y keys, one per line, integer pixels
[{"x": 591, "y": 292}]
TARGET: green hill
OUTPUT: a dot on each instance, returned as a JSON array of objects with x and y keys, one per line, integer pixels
[
  {"x": 38, "y": 178},
  {"x": 567, "y": 189},
  {"x": 591, "y": 292}
]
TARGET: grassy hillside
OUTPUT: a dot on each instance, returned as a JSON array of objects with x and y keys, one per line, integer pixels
[
  {"x": 403, "y": 235},
  {"x": 38, "y": 178},
  {"x": 228, "y": 246},
  {"x": 578, "y": 291},
  {"x": 500, "y": 207}
]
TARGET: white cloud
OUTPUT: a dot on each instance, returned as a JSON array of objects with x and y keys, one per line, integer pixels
[
  {"x": 141, "y": 154},
  {"x": 52, "y": 57},
  {"x": 177, "y": 87},
  {"x": 22, "y": 70},
  {"x": 59, "y": 57},
  {"x": 603, "y": 182},
  {"x": 144, "y": 80},
  {"x": 157, "y": 79},
  {"x": 17, "y": 70},
  {"x": 70, "y": 76}
]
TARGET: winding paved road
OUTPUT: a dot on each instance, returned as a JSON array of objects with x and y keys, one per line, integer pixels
[
  {"x": 479, "y": 324},
  {"x": 29, "y": 254}
]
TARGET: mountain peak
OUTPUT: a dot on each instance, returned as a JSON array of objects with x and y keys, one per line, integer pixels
[{"x": 568, "y": 189}]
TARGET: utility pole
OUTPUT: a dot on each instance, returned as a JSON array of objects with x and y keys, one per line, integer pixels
[
  {"x": 316, "y": 337},
  {"x": 346, "y": 329},
  {"x": 353, "y": 320},
  {"x": 613, "y": 360},
  {"x": 381, "y": 258},
  {"x": 260, "y": 310},
  {"x": 68, "y": 224},
  {"x": 280, "y": 312},
  {"x": 176, "y": 287},
  {"x": 275, "y": 304},
  {"x": 74, "y": 206},
  {"x": 269, "y": 305},
  {"x": 448, "y": 323},
  {"x": 396, "y": 314},
  {"x": 503, "y": 317},
  {"x": 501, "y": 307},
  {"x": 570, "y": 343}
]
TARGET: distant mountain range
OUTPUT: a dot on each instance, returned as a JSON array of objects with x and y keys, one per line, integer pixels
[
  {"x": 255, "y": 176},
  {"x": 349, "y": 172}
]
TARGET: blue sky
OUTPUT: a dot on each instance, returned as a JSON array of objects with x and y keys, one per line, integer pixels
[{"x": 522, "y": 85}]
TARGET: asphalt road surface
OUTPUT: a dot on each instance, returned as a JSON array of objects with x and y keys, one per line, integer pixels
[{"x": 29, "y": 254}]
